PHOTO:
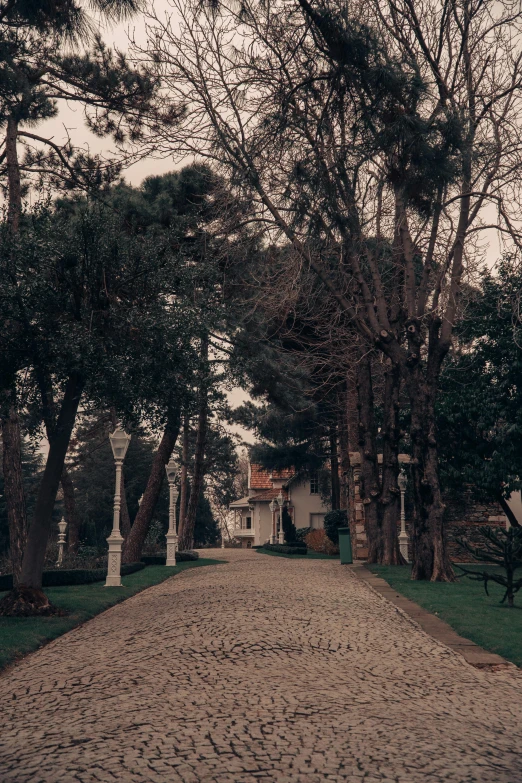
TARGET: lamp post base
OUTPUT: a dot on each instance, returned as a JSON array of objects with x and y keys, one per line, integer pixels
[
  {"x": 172, "y": 548},
  {"x": 115, "y": 541},
  {"x": 403, "y": 545}
]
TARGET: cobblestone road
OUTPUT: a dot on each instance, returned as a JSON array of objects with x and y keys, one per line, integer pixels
[{"x": 261, "y": 669}]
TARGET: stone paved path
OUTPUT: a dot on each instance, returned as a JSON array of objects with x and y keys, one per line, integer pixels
[{"x": 261, "y": 669}]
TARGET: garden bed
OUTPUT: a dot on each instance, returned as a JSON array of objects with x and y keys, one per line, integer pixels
[
  {"x": 21, "y": 635},
  {"x": 466, "y": 608}
]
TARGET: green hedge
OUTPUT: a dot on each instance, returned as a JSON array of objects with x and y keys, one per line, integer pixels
[
  {"x": 181, "y": 557},
  {"x": 73, "y": 576},
  {"x": 287, "y": 549}
]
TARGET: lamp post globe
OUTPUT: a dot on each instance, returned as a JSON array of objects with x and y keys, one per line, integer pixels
[
  {"x": 119, "y": 441},
  {"x": 171, "y": 469}
]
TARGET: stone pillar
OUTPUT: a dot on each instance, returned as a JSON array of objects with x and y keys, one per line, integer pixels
[{"x": 115, "y": 539}]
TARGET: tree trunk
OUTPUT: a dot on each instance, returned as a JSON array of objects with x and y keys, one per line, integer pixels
[
  {"x": 29, "y": 598},
  {"x": 14, "y": 488},
  {"x": 369, "y": 462},
  {"x": 133, "y": 545},
  {"x": 186, "y": 540},
  {"x": 13, "y": 176},
  {"x": 11, "y": 438},
  {"x": 390, "y": 494},
  {"x": 334, "y": 469},
  {"x": 352, "y": 426},
  {"x": 183, "y": 499},
  {"x": 125, "y": 523},
  {"x": 71, "y": 517},
  {"x": 344, "y": 451},
  {"x": 430, "y": 557}
]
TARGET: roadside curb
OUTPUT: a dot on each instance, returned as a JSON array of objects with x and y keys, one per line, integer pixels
[{"x": 473, "y": 654}]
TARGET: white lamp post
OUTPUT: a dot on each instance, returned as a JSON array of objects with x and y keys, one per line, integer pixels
[
  {"x": 119, "y": 444},
  {"x": 172, "y": 536},
  {"x": 280, "y": 502},
  {"x": 272, "y": 507},
  {"x": 62, "y": 527},
  {"x": 403, "y": 536}
]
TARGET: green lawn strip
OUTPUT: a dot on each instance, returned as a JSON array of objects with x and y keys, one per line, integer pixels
[
  {"x": 309, "y": 556},
  {"x": 21, "y": 635},
  {"x": 465, "y": 606}
]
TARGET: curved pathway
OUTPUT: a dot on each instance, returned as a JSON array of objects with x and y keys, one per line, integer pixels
[{"x": 261, "y": 669}]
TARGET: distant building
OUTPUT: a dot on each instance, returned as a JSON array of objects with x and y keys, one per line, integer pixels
[{"x": 254, "y": 521}]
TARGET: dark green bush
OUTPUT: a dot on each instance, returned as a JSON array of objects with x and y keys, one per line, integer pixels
[
  {"x": 73, "y": 576},
  {"x": 154, "y": 559},
  {"x": 301, "y": 533},
  {"x": 182, "y": 557},
  {"x": 333, "y": 520},
  {"x": 286, "y": 549}
]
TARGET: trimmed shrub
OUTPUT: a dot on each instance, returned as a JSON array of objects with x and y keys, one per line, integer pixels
[
  {"x": 301, "y": 533},
  {"x": 154, "y": 559},
  {"x": 73, "y": 576},
  {"x": 286, "y": 549},
  {"x": 333, "y": 520},
  {"x": 182, "y": 557},
  {"x": 318, "y": 541},
  {"x": 289, "y": 528}
]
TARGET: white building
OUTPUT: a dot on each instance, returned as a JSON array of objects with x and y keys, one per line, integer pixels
[{"x": 255, "y": 522}]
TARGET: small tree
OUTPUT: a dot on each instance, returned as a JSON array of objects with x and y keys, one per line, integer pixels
[
  {"x": 289, "y": 529},
  {"x": 502, "y": 548},
  {"x": 333, "y": 521}
]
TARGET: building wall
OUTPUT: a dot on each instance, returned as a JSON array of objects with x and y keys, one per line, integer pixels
[
  {"x": 264, "y": 523},
  {"x": 465, "y": 518},
  {"x": 305, "y": 503}
]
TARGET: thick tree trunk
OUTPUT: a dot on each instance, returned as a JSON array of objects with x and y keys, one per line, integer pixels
[
  {"x": 183, "y": 498},
  {"x": 344, "y": 451},
  {"x": 13, "y": 487},
  {"x": 11, "y": 438},
  {"x": 133, "y": 545},
  {"x": 369, "y": 461},
  {"x": 28, "y": 598},
  {"x": 430, "y": 557},
  {"x": 334, "y": 470},
  {"x": 390, "y": 494},
  {"x": 34, "y": 556},
  {"x": 186, "y": 540},
  {"x": 71, "y": 517},
  {"x": 352, "y": 422}
]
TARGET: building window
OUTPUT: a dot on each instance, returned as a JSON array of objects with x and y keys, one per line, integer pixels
[
  {"x": 314, "y": 484},
  {"x": 249, "y": 523}
]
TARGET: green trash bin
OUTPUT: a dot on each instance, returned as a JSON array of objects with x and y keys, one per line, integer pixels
[{"x": 345, "y": 545}]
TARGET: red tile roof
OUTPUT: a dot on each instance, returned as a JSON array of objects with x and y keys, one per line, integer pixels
[
  {"x": 260, "y": 477},
  {"x": 268, "y": 494}
]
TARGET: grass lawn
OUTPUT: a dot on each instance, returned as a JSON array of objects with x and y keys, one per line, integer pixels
[
  {"x": 21, "y": 635},
  {"x": 465, "y": 606},
  {"x": 309, "y": 556}
]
